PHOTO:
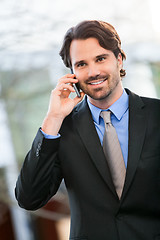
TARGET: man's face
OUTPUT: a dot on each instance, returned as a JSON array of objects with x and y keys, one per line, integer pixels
[{"x": 97, "y": 69}]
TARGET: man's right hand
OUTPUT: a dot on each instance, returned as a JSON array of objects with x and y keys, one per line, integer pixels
[{"x": 60, "y": 104}]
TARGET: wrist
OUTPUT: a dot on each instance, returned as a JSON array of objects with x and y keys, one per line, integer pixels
[{"x": 51, "y": 125}]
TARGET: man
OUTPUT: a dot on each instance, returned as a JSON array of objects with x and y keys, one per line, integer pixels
[{"x": 70, "y": 144}]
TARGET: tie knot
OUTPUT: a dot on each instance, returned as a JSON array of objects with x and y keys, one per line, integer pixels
[{"x": 106, "y": 115}]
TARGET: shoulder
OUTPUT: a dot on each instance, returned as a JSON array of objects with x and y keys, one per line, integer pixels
[
  {"x": 152, "y": 101},
  {"x": 145, "y": 100},
  {"x": 150, "y": 105}
]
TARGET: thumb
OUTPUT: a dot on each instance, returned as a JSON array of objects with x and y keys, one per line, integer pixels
[{"x": 78, "y": 99}]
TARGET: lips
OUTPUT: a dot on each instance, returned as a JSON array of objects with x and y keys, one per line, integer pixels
[{"x": 97, "y": 82}]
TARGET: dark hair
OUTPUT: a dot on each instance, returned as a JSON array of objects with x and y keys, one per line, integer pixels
[{"x": 104, "y": 32}]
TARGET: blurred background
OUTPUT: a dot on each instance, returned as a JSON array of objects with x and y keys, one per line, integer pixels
[{"x": 31, "y": 34}]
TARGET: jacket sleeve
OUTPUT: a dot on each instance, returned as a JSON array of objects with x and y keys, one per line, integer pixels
[{"x": 40, "y": 175}]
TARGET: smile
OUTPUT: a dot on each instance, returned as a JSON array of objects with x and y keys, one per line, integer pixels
[
  {"x": 97, "y": 83},
  {"x": 94, "y": 83}
]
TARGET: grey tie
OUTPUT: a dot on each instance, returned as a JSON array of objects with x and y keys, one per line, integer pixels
[{"x": 113, "y": 153}]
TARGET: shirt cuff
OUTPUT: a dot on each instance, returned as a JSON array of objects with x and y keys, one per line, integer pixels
[{"x": 47, "y": 136}]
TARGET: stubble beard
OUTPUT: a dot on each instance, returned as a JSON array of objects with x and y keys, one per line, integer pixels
[{"x": 101, "y": 93}]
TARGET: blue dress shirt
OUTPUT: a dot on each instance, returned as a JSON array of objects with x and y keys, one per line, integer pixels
[{"x": 119, "y": 119}]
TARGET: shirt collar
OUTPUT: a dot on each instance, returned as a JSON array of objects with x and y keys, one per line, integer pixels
[{"x": 118, "y": 108}]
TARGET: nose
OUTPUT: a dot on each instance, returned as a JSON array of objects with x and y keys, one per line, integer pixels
[{"x": 93, "y": 71}]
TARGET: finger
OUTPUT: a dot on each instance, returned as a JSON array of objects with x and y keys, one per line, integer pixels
[
  {"x": 68, "y": 79},
  {"x": 69, "y": 75},
  {"x": 64, "y": 86}
]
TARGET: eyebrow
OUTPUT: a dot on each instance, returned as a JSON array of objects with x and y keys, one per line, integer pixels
[{"x": 102, "y": 55}]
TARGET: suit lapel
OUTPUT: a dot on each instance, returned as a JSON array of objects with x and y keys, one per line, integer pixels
[
  {"x": 137, "y": 128},
  {"x": 86, "y": 129}
]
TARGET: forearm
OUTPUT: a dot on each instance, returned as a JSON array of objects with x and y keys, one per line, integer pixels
[{"x": 40, "y": 175}]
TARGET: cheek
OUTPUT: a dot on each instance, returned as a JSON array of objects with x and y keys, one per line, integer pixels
[
  {"x": 106, "y": 68},
  {"x": 81, "y": 76},
  {"x": 114, "y": 70}
]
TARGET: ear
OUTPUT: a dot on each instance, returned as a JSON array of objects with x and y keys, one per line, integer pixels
[{"x": 120, "y": 61}]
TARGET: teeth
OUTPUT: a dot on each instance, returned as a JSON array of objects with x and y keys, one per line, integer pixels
[{"x": 94, "y": 83}]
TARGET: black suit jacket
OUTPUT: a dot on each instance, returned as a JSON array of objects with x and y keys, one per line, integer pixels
[{"x": 96, "y": 212}]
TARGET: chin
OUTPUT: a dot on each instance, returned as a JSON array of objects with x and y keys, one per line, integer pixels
[{"x": 99, "y": 95}]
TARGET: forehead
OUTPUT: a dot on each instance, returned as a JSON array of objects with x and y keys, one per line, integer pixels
[{"x": 84, "y": 49}]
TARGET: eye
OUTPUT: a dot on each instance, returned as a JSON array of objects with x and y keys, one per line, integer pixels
[
  {"x": 100, "y": 59},
  {"x": 81, "y": 64}
]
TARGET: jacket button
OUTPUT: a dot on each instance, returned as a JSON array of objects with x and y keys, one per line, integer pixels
[{"x": 38, "y": 149}]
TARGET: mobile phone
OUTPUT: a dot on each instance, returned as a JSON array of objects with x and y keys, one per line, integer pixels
[{"x": 76, "y": 86}]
